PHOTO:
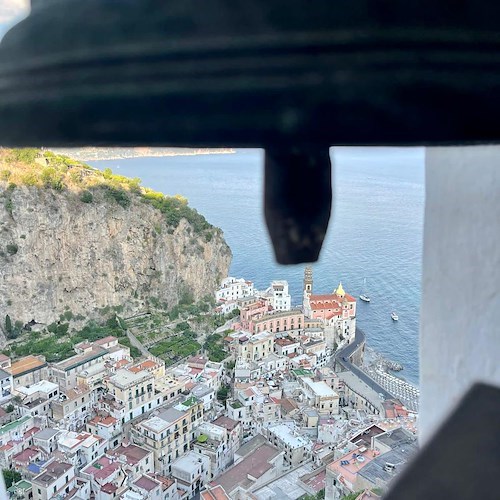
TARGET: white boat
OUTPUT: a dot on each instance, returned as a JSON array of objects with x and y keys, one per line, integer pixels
[
  {"x": 394, "y": 316},
  {"x": 364, "y": 296}
]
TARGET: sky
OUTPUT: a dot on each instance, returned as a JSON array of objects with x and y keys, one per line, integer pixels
[{"x": 12, "y": 11}]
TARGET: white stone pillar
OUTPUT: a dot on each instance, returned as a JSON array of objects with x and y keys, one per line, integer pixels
[{"x": 460, "y": 312}]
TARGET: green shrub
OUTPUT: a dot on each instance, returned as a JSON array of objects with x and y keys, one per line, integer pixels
[
  {"x": 12, "y": 248},
  {"x": 10, "y": 477},
  {"x": 118, "y": 195},
  {"x": 86, "y": 197},
  {"x": 29, "y": 179},
  {"x": 51, "y": 178},
  {"x": 24, "y": 155},
  {"x": 5, "y": 175},
  {"x": 9, "y": 206}
]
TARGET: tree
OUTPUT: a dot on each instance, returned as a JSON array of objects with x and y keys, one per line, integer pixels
[
  {"x": 8, "y": 324},
  {"x": 11, "y": 477},
  {"x": 9, "y": 408},
  {"x": 223, "y": 393}
]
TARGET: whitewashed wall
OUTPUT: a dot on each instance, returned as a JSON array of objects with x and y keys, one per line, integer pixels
[{"x": 460, "y": 313}]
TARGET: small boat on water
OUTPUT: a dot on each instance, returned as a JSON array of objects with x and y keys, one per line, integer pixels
[
  {"x": 394, "y": 316},
  {"x": 364, "y": 296}
]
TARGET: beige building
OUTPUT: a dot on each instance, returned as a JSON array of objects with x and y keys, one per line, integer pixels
[
  {"x": 320, "y": 396},
  {"x": 134, "y": 391},
  {"x": 255, "y": 347},
  {"x": 28, "y": 371},
  {"x": 88, "y": 355},
  {"x": 169, "y": 433},
  {"x": 73, "y": 407}
]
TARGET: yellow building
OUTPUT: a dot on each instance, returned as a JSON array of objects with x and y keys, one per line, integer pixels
[{"x": 255, "y": 347}]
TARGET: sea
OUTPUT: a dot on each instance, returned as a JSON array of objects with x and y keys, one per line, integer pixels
[{"x": 375, "y": 233}]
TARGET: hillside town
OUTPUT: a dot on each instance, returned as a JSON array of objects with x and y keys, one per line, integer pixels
[{"x": 291, "y": 412}]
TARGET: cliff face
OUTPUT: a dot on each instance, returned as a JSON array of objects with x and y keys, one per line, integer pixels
[{"x": 58, "y": 253}]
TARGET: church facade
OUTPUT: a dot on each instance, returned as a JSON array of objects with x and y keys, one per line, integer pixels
[{"x": 336, "y": 310}]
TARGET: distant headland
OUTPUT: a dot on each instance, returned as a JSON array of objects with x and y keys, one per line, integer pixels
[{"x": 90, "y": 153}]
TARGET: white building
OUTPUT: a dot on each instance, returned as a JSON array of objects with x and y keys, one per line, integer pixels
[
  {"x": 232, "y": 289},
  {"x": 277, "y": 296},
  {"x": 192, "y": 471},
  {"x": 296, "y": 448},
  {"x": 6, "y": 385},
  {"x": 58, "y": 478},
  {"x": 281, "y": 299}
]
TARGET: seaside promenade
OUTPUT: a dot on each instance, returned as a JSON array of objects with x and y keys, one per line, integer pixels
[{"x": 385, "y": 384}]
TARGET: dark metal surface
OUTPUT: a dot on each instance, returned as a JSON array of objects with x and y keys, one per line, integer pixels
[
  {"x": 239, "y": 73},
  {"x": 297, "y": 201},
  {"x": 462, "y": 461},
  {"x": 267, "y": 73}
]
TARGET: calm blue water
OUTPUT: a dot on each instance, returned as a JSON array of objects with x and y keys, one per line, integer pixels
[{"x": 376, "y": 230}]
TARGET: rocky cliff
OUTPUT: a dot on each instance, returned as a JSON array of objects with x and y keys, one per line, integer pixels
[{"x": 70, "y": 246}]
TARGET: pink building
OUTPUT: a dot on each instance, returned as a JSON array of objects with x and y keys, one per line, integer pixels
[
  {"x": 250, "y": 312},
  {"x": 276, "y": 322}
]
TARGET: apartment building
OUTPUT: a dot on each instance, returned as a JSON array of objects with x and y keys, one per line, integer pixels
[
  {"x": 58, "y": 479},
  {"x": 28, "y": 371},
  {"x": 285, "y": 437},
  {"x": 254, "y": 347},
  {"x": 134, "y": 460},
  {"x": 234, "y": 288},
  {"x": 87, "y": 355},
  {"x": 169, "y": 433},
  {"x": 214, "y": 442},
  {"x": 320, "y": 395},
  {"x": 134, "y": 391},
  {"x": 107, "y": 427},
  {"x": 73, "y": 407},
  {"x": 192, "y": 472},
  {"x": 36, "y": 398}
]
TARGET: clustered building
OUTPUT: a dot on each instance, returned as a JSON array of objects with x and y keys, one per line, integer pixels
[{"x": 104, "y": 426}]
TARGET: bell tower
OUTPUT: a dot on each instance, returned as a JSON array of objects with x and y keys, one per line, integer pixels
[{"x": 308, "y": 280}]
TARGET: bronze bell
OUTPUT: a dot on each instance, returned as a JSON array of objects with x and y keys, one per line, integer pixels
[{"x": 290, "y": 77}]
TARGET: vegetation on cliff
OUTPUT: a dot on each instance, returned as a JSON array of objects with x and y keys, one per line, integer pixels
[
  {"x": 80, "y": 246},
  {"x": 45, "y": 169}
]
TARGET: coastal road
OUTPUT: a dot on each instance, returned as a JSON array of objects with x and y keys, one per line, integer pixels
[{"x": 342, "y": 357}]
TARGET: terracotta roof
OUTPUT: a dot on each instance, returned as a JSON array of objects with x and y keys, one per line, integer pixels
[
  {"x": 216, "y": 493},
  {"x": 146, "y": 483},
  {"x": 106, "y": 340},
  {"x": 109, "y": 488},
  {"x": 107, "y": 420},
  {"x": 26, "y": 455},
  {"x": 165, "y": 481},
  {"x": 133, "y": 453},
  {"x": 121, "y": 363},
  {"x": 145, "y": 365},
  {"x": 226, "y": 422},
  {"x": 30, "y": 432},
  {"x": 283, "y": 342},
  {"x": 26, "y": 365},
  {"x": 102, "y": 468},
  {"x": 256, "y": 464}
]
